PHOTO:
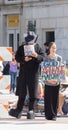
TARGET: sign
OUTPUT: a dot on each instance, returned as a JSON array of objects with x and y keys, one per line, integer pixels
[
  {"x": 13, "y": 20},
  {"x": 28, "y": 50},
  {"x": 5, "y": 53},
  {"x": 52, "y": 70}
]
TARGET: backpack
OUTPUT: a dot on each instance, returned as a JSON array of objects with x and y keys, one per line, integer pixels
[
  {"x": 6, "y": 69},
  {"x": 65, "y": 106}
]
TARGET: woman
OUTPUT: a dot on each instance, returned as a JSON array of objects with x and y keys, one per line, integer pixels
[
  {"x": 51, "y": 92},
  {"x": 61, "y": 103},
  {"x": 13, "y": 68}
]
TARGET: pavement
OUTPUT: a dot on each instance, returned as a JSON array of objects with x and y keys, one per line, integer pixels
[{"x": 39, "y": 122}]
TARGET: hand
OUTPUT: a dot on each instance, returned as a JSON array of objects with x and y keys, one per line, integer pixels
[
  {"x": 35, "y": 55},
  {"x": 52, "y": 82},
  {"x": 28, "y": 58}
]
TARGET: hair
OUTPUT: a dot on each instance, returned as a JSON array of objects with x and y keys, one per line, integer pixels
[
  {"x": 46, "y": 44},
  {"x": 49, "y": 46}
]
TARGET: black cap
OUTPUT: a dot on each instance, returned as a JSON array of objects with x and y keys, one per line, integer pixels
[{"x": 31, "y": 37}]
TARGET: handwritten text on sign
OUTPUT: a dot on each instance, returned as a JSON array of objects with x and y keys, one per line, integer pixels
[{"x": 52, "y": 70}]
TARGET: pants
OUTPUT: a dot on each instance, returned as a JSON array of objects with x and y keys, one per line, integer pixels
[
  {"x": 30, "y": 89},
  {"x": 51, "y": 96},
  {"x": 13, "y": 80}
]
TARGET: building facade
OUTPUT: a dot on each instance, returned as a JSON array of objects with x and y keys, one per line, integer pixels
[{"x": 48, "y": 18}]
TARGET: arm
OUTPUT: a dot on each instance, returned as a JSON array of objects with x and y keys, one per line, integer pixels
[
  {"x": 39, "y": 54},
  {"x": 20, "y": 55}
]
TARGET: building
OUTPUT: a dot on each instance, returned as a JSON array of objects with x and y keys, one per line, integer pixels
[{"x": 48, "y": 18}]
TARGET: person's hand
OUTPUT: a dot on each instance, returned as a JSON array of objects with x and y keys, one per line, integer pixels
[
  {"x": 52, "y": 81},
  {"x": 35, "y": 55},
  {"x": 28, "y": 58}
]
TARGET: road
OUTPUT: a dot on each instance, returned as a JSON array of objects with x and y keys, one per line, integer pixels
[{"x": 22, "y": 123}]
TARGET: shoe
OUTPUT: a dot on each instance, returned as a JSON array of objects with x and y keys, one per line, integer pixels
[
  {"x": 15, "y": 113},
  {"x": 51, "y": 118},
  {"x": 48, "y": 118},
  {"x": 10, "y": 92},
  {"x": 54, "y": 118},
  {"x": 30, "y": 115}
]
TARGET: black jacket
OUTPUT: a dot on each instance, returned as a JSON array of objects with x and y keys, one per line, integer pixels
[{"x": 28, "y": 70}]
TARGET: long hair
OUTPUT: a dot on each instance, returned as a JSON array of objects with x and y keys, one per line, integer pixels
[{"x": 50, "y": 44}]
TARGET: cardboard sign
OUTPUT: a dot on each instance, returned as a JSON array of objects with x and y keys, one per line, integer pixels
[
  {"x": 52, "y": 70},
  {"x": 28, "y": 50}
]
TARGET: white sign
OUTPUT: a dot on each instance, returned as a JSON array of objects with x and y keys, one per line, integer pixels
[{"x": 28, "y": 50}]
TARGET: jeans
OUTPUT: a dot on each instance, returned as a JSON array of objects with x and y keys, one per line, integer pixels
[{"x": 13, "y": 80}]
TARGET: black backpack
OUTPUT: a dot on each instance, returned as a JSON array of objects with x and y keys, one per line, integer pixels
[
  {"x": 6, "y": 69},
  {"x": 65, "y": 106}
]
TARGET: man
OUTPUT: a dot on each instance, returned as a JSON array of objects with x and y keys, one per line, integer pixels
[{"x": 28, "y": 75}]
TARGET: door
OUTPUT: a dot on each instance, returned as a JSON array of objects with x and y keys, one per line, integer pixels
[{"x": 13, "y": 39}]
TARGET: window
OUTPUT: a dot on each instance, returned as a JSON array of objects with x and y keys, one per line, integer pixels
[
  {"x": 12, "y": 1},
  {"x": 32, "y": 26},
  {"x": 50, "y": 36},
  {"x": 11, "y": 39}
]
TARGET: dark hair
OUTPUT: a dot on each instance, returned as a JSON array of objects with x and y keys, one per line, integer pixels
[
  {"x": 48, "y": 50},
  {"x": 46, "y": 44}
]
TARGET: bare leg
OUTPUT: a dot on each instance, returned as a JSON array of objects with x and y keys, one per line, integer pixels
[{"x": 61, "y": 102}]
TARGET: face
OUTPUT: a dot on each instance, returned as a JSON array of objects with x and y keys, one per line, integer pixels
[
  {"x": 13, "y": 56},
  {"x": 53, "y": 48}
]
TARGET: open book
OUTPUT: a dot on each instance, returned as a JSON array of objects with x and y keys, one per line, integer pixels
[{"x": 29, "y": 49}]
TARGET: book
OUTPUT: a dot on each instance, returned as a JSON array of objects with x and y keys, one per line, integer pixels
[{"x": 29, "y": 49}]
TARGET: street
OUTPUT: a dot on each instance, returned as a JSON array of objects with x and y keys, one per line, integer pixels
[{"x": 40, "y": 122}]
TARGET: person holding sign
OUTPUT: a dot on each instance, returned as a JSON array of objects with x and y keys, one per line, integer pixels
[
  {"x": 29, "y": 60},
  {"x": 50, "y": 73}
]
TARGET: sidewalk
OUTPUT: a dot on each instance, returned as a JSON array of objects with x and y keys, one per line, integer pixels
[
  {"x": 27, "y": 126},
  {"x": 39, "y": 121},
  {"x": 23, "y": 124}
]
